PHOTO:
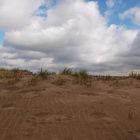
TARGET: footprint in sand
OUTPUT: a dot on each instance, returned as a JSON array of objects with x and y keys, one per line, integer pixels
[
  {"x": 108, "y": 119},
  {"x": 48, "y": 117},
  {"x": 8, "y": 106},
  {"x": 98, "y": 114},
  {"x": 103, "y": 116},
  {"x": 89, "y": 94},
  {"x": 137, "y": 134},
  {"x": 30, "y": 95}
]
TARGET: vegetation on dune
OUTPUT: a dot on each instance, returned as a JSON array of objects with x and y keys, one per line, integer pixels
[
  {"x": 43, "y": 74},
  {"x": 13, "y": 73},
  {"x": 13, "y": 76},
  {"x": 105, "y": 77},
  {"x": 83, "y": 78},
  {"x": 66, "y": 71},
  {"x": 135, "y": 75},
  {"x": 33, "y": 80},
  {"x": 80, "y": 77}
]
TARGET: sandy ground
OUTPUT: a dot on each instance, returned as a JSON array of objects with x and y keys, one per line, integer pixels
[{"x": 109, "y": 110}]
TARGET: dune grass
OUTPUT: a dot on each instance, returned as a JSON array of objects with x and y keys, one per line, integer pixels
[
  {"x": 43, "y": 74},
  {"x": 135, "y": 75},
  {"x": 81, "y": 77},
  {"x": 66, "y": 71}
]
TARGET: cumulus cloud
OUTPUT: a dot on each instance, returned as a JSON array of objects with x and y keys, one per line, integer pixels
[
  {"x": 18, "y": 13},
  {"x": 74, "y": 34},
  {"x": 133, "y": 14}
]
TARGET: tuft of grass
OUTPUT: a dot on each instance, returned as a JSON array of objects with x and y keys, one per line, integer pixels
[
  {"x": 135, "y": 75},
  {"x": 67, "y": 71},
  {"x": 33, "y": 81},
  {"x": 105, "y": 77},
  {"x": 11, "y": 77},
  {"x": 11, "y": 74},
  {"x": 43, "y": 74},
  {"x": 131, "y": 115},
  {"x": 83, "y": 74},
  {"x": 17, "y": 74},
  {"x": 83, "y": 78}
]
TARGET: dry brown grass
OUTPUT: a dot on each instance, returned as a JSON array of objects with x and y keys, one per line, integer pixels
[
  {"x": 33, "y": 81},
  {"x": 135, "y": 75},
  {"x": 66, "y": 71},
  {"x": 43, "y": 74},
  {"x": 11, "y": 76},
  {"x": 81, "y": 77}
]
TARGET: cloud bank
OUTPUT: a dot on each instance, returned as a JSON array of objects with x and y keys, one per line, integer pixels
[
  {"x": 133, "y": 14},
  {"x": 73, "y": 33}
]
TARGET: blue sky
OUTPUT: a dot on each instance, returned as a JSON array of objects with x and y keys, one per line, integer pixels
[{"x": 119, "y": 7}]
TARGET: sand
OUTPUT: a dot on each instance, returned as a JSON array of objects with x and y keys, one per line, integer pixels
[{"x": 108, "y": 110}]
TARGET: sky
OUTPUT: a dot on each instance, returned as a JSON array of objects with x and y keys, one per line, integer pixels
[{"x": 102, "y": 36}]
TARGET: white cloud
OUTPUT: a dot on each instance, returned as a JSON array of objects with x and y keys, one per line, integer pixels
[
  {"x": 133, "y": 14},
  {"x": 17, "y": 13},
  {"x": 73, "y": 34}
]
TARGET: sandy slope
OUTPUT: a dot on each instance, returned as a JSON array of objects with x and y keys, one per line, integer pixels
[{"x": 106, "y": 111}]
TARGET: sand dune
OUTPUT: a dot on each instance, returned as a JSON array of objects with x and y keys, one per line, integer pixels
[{"x": 108, "y": 110}]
